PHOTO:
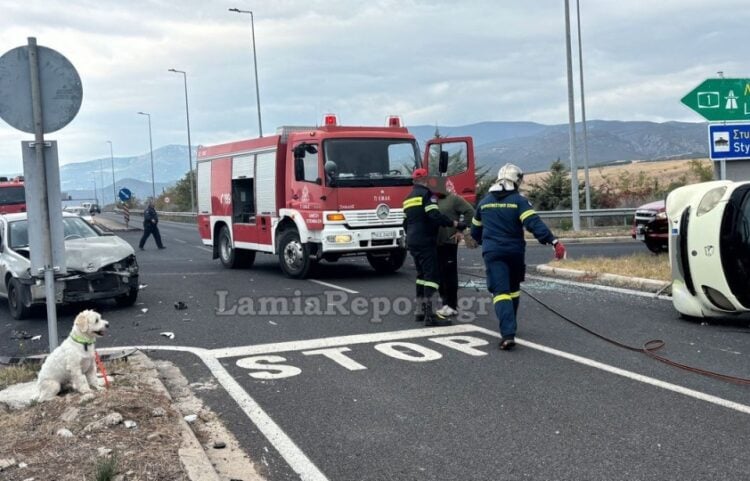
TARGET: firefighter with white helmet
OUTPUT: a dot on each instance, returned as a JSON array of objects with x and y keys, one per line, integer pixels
[{"x": 498, "y": 225}]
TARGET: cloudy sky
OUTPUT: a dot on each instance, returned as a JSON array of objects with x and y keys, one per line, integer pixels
[{"x": 439, "y": 62}]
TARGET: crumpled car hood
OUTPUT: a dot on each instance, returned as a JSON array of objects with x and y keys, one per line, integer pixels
[{"x": 93, "y": 253}]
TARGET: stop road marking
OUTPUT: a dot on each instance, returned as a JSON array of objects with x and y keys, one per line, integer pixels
[{"x": 269, "y": 366}]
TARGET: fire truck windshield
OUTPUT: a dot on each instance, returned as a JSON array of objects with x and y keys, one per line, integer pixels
[
  {"x": 12, "y": 194},
  {"x": 372, "y": 162}
]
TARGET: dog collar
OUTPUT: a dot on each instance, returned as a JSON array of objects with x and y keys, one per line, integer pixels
[{"x": 80, "y": 340}]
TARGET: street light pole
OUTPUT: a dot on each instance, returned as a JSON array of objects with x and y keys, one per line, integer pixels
[
  {"x": 583, "y": 114},
  {"x": 151, "y": 148},
  {"x": 112, "y": 161},
  {"x": 255, "y": 65},
  {"x": 191, "y": 177},
  {"x": 572, "y": 127}
]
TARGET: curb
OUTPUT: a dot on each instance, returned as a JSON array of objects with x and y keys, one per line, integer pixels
[
  {"x": 192, "y": 456},
  {"x": 637, "y": 283}
]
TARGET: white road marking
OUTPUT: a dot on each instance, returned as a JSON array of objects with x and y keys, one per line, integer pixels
[
  {"x": 312, "y": 344},
  {"x": 203, "y": 248},
  {"x": 283, "y": 444},
  {"x": 743, "y": 408},
  {"x": 180, "y": 240},
  {"x": 334, "y": 286},
  {"x": 294, "y": 456}
]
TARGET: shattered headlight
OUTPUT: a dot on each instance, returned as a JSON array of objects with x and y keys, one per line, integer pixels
[{"x": 127, "y": 264}]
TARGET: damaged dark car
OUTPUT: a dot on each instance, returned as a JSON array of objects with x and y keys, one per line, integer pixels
[{"x": 99, "y": 266}]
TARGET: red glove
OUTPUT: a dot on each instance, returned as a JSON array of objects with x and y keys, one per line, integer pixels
[{"x": 559, "y": 249}]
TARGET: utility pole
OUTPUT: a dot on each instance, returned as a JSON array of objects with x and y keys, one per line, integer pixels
[{"x": 572, "y": 126}]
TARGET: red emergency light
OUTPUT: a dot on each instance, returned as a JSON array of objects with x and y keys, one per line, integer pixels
[
  {"x": 330, "y": 120},
  {"x": 394, "y": 121}
]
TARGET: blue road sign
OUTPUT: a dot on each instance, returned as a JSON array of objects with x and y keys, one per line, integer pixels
[
  {"x": 729, "y": 141},
  {"x": 125, "y": 194}
]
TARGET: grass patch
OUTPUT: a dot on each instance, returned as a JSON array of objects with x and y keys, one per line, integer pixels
[
  {"x": 10, "y": 375},
  {"x": 586, "y": 233},
  {"x": 106, "y": 468},
  {"x": 646, "y": 265}
]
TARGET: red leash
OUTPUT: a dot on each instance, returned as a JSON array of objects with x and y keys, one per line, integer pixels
[{"x": 100, "y": 365}]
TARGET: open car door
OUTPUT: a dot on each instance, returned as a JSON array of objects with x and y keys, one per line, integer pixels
[{"x": 450, "y": 162}]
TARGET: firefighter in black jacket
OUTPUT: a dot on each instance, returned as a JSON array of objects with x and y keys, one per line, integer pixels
[{"x": 422, "y": 220}]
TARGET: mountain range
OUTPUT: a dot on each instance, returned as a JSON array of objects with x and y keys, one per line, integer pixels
[{"x": 530, "y": 145}]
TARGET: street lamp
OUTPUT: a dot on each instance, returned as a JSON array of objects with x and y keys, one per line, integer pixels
[
  {"x": 583, "y": 115},
  {"x": 112, "y": 161},
  {"x": 190, "y": 145},
  {"x": 255, "y": 65},
  {"x": 151, "y": 147},
  {"x": 572, "y": 126}
]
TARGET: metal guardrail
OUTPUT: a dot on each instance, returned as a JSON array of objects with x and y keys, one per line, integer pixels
[{"x": 546, "y": 214}]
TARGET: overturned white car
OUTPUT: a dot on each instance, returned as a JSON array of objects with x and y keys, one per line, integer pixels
[
  {"x": 709, "y": 248},
  {"x": 100, "y": 266}
]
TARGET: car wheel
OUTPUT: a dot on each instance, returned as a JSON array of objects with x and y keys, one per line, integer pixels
[
  {"x": 18, "y": 296},
  {"x": 387, "y": 264},
  {"x": 231, "y": 257},
  {"x": 294, "y": 258},
  {"x": 127, "y": 300}
]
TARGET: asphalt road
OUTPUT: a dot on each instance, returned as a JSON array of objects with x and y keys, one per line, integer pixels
[{"x": 327, "y": 378}]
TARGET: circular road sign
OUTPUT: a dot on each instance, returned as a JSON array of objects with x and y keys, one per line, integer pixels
[
  {"x": 59, "y": 83},
  {"x": 166, "y": 200},
  {"x": 124, "y": 194}
]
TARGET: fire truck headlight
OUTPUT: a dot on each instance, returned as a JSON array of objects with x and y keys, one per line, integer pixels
[
  {"x": 336, "y": 217},
  {"x": 710, "y": 200},
  {"x": 339, "y": 239}
]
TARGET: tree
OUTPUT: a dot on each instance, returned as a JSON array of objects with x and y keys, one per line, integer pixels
[
  {"x": 553, "y": 192},
  {"x": 179, "y": 196}
]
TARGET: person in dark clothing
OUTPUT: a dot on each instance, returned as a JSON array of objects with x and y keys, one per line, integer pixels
[
  {"x": 498, "y": 226},
  {"x": 455, "y": 208},
  {"x": 422, "y": 220},
  {"x": 150, "y": 226}
]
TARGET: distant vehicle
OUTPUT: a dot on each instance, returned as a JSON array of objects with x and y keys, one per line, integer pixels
[
  {"x": 650, "y": 225},
  {"x": 709, "y": 248},
  {"x": 82, "y": 212},
  {"x": 95, "y": 209},
  {"x": 100, "y": 266},
  {"x": 309, "y": 194},
  {"x": 12, "y": 195}
]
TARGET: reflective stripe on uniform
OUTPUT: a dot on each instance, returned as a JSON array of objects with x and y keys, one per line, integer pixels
[
  {"x": 501, "y": 297},
  {"x": 526, "y": 214},
  {"x": 413, "y": 202},
  {"x": 515, "y": 295},
  {"x": 430, "y": 207},
  {"x": 434, "y": 285},
  {"x": 476, "y": 222}
]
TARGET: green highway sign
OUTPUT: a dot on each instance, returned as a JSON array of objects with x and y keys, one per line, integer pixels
[{"x": 720, "y": 99}]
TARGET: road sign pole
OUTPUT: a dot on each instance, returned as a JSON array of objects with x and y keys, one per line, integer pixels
[
  {"x": 723, "y": 169},
  {"x": 44, "y": 219}
]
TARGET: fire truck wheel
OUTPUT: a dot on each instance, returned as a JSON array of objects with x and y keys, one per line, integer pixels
[
  {"x": 386, "y": 264},
  {"x": 293, "y": 256},
  {"x": 17, "y": 296},
  {"x": 231, "y": 257}
]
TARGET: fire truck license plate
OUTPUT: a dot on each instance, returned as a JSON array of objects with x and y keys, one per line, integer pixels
[{"x": 384, "y": 235}]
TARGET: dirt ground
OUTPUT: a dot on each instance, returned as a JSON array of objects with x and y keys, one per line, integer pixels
[
  {"x": 666, "y": 171},
  {"x": 145, "y": 452}
]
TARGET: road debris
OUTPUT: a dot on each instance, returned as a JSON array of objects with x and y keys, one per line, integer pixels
[
  {"x": 144, "y": 310},
  {"x": 179, "y": 305},
  {"x": 169, "y": 335},
  {"x": 19, "y": 335}
]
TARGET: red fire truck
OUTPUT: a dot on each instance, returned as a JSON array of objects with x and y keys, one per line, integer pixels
[
  {"x": 318, "y": 193},
  {"x": 12, "y": 195}
]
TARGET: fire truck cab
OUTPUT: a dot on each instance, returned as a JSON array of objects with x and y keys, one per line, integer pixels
[
  {"x": 319, "y": 193},
  {"x": 12, "y": 195}
]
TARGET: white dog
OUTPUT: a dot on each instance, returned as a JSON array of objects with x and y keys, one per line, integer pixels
[{"x": 72, "y": 363}]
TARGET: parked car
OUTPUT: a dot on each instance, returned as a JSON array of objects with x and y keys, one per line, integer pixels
[
  {"x": 710, "y": 248},
  {"x": 651, "y": 226},
  {"x": 100, "y": 266},
  {"x": 83, "y": 212}
]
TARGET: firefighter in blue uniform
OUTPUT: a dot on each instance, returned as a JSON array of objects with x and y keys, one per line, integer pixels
[
  {"x": 422, "y": 220},
  {"x": 498, "y": 226}
]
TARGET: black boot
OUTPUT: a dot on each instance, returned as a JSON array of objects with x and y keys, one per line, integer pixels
[{"x": 431, "y": 320}]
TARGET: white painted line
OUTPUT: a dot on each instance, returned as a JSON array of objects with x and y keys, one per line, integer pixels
[
  {"x": 203, "y": 248},
  {"x": 585, "y": 285},
  {"x": 334, "y": 286},
  {"x": 179, "y": 240},
  {"x": 743, "y": 408},
  {"x": 312, "y": 344},
  {"x": 292, "y": 454}
]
